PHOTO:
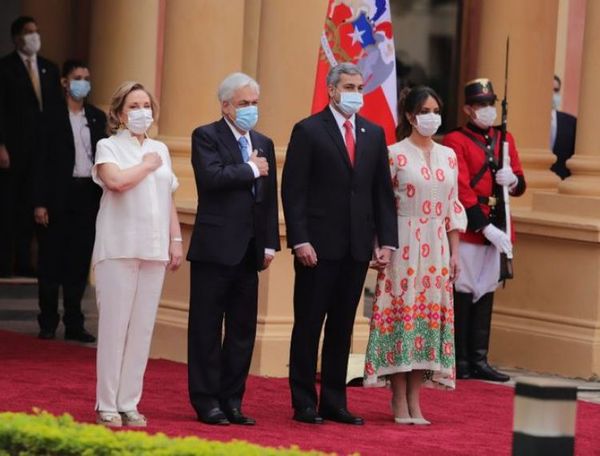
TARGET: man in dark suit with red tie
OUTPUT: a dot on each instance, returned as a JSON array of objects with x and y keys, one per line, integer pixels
[
  {"x": 339, "y": 208},
  {"x": 236, "y": 234},
  {"x": 30, "y": 93}
]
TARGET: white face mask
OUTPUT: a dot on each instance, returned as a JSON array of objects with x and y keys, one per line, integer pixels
[
  {"x": 556, "y": 100},
  {"x": 32, "y": 43},
  {"x": 139, "y": 120},
  {"x": 428, "y": 124},
  {"x": 485, "y": 117}
]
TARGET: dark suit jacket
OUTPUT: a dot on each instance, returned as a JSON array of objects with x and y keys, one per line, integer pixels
[
  {"x": 338, "y": 208},
  {"x": 22, "y": 124},
  {"x": 233, "y": 206},
  {"x": 564, "y": 145},
  {"x": 54, "y": 168}
]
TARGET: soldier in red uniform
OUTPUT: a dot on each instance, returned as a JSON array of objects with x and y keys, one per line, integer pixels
[{"x": 481, "y": 179}]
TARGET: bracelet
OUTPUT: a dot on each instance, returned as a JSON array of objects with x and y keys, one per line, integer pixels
[{"x": 177, "y": 239}]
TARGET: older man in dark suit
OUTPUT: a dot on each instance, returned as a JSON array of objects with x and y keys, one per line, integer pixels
[
  {"x": 236, "y": 234},
  {"x": 29, "y": 94},
  {"x": 338, "y": 203},
  {"x": 66, "y": 202}
]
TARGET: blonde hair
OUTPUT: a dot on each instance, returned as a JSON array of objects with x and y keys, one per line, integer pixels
[{"x": 118, "y": 100}]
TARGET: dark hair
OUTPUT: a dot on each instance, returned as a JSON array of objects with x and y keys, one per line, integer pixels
[
  {"x": 410, "y": 101},
  {"x": 70, "y": 65},
  {"x": 18, "y": 25},
  {"x": 557, "y": 79}
]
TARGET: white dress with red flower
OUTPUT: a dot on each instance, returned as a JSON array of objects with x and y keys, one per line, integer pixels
[{"x": 412, "y": 325}]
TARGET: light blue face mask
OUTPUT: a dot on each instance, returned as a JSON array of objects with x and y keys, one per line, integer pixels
[
  {"x": 246, "y": 117},
  {"x": 350, "y": 102},
  {"x": 79, "y": 88},
  {"x": 556, "y": 100}
]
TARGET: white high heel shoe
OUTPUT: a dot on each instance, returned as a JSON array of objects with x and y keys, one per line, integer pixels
[{"x": 399, "y": 419}]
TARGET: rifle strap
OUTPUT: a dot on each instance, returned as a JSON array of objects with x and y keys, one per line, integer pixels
[{"x": 488, "y": 149}]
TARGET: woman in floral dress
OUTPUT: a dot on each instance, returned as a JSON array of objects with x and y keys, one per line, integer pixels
[{"x": 411, "y": 337}]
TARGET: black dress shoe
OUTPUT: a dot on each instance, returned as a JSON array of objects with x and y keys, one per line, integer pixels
[
  {"x": 80, "y": 335},
  {"x": 235, "y": 416},
  {"x": 46, "y": 334},
  {"x": 462, "y": 372},
  {"x": 342, "y": 416},
  {"x": 484, "y": 371},
  {"x": 214, "y": 416},
  {"x": 307, "y": 415}
]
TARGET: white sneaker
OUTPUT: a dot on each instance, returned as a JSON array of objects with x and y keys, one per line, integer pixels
[
  {"x": 109, "y": 419},
  {"x": 133, "y": 418}
]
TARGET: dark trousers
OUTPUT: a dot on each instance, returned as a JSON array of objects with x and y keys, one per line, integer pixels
[
  {"x": 330, "y": 290},
  {"x": 65, "y": 251},
  {"x": 218, "y": 366},
  {"x": 16, "y": 225}
]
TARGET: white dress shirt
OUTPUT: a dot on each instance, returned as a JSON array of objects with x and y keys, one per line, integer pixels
[
  {"x": 238, "y": 135},
  {"x": 134, "y": 223},
  {"x": 246, "y": 135},
  {"x": 32, "y": 58},
  {"x": 340, "y": 120},
  {"x": 83, "y": 144}
]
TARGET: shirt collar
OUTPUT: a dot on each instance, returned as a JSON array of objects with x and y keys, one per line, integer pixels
[
  {"x": 340, "y": 119},
  {"x": 80, "y": 113},
  {"x": 126, "y": 135},
  {"x": 235, "y": 131},
  {"x": 25, "y": 57}
]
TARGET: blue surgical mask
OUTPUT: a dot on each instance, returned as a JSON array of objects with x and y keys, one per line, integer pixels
[
  {"x": 350, "y": 102},
  {"x": 556, "y": 100},
  {"x": 246, "y": 117},
  {"x": 79, "y": 88}
]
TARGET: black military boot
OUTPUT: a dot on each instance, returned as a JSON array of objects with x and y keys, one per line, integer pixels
[
  {"x": 462, "y": 308},
  {"x": 479, "y": 340}
]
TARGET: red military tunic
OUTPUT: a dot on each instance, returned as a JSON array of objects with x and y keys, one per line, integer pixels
[{"x": 471, "y": 159}]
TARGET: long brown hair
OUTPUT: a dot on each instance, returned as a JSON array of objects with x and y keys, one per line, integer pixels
[{"x": 410, "y": 101}]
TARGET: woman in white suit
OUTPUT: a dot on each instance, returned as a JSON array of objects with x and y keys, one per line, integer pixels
[{"x": 137, "y": 238}]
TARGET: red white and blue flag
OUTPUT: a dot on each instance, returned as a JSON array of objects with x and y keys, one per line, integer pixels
[{"x": 360, "y": 31}]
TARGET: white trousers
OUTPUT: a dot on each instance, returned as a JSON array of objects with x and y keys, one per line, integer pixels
[
  {"x": 127, "y": 294},
  {"x": 480, "y": 269}
]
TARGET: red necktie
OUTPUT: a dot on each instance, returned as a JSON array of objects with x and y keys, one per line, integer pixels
[{"x": 349, "y": 138}]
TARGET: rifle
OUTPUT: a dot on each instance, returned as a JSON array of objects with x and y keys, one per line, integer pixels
[{"x": 506, "y": 264}]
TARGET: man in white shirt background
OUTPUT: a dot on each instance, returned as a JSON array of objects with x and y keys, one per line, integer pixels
[{"x": 66, "y": 202}]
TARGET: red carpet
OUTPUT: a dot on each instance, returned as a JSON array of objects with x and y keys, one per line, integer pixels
[{"x": 476, "y": 419}]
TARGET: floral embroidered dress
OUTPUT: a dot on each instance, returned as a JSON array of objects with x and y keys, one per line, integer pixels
[{"x": 412, "y": 325}]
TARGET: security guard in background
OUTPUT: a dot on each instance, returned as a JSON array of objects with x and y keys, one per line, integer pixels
[{"x": 480, "y": 180}]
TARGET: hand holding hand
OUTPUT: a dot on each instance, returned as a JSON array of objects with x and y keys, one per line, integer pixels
[
  {"x": 306, "y": 256},
  {"x": 261, "y": 163},
  {"x": 152, "y": 160},
  {"x": 4, "y": 157},
  {"x": 382, "y": 258},
  {"x": 40, "y": 215},
  {"x": 267, "y": 261},
  {"x": 506, "y": 177},
  {"x": 498, "y": 238}
]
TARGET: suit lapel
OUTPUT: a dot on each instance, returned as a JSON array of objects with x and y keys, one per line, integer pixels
[
  {"x": 260, "y": 182},
  {"x": 92, "y": 122},
  {"x": 333, "y": 130},
  {"x": 360, "y": 131},
  {"x": 228, "y": 139},
  {"x": 21, "y": 71}
]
